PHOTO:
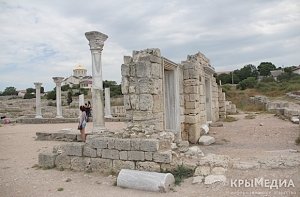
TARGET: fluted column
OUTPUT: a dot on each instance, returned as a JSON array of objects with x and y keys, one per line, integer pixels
[
  {"x": 57, "y": 81},
  {"x": 38, "y": 108},
  {"x": 96, "y": 42},
  {"x": 107, "y": 103}
]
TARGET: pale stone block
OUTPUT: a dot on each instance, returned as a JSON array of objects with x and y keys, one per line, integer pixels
[
  {"x": 134, "y": 102},
  {"x": 202, "y": 171},
  {"x": 163, "y": 157},
  {"x": 144, "y": 86},
  {"x": 150, "y": 58},
  {"x": 96, "y": 142},
  {"x": 148, "y": 156},
  {"x": 143, "y": 69},
  {"x": 80, "y": 163},
  {"x": 127, "y": 59},
  {"x": 47, "y": 160},
  {"x": 136, "y": 155},
  {"x": 206, "y": 140},
  {"x": 99, "y": 152},
  {"x": 149, "y": 145},
  {"x": 148, "y": 166},
  {"x": 156, "y": 70},
  {"x": 210, "y": 179},
  {"x": 191, "y": 105},
  {"x": 110, "y": 143},
  {"x": 197, "y": 179},
  {"x": 135, "y": 144},
  {"x": 127, "y": 104},
  {"x": 146, "y": 102},
  {"x": 63, "y": 161},
  {"x": 124, "y": 85},
  {"x": 119, "y": 164},
  {"x": 74, "y": 149},
  {"x": 89, "y": 151},
  {"x": 122, "y": 144},
  {"x": 194, "y": 133},
  {"x": 148, "y": 181},
  {"x": 101, "y": 165},
  {"x": 157, "y": 103},
  {"x": 218, "y": 171},
  {"x": 123, "y": 155},
  {"x": 191, "y": 119},
  {"x": 110, "y": 154}
]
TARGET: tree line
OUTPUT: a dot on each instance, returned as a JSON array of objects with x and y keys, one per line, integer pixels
[{"x": 247, "y": 76}]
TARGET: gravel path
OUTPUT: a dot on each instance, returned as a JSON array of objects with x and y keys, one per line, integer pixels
[{"x": 244, "y": 139}]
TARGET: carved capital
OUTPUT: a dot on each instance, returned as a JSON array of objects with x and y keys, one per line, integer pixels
[
  {"x": 58, "y": 80},
  {"x": 96, "y": 40},
  {"x": 37, "y": 84}
]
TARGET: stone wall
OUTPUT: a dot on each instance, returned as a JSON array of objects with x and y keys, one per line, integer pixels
[
  {"x": 142, "y": 87},
  {"x": 196, "y": 72},
  {"x": 106, "y": 154}
]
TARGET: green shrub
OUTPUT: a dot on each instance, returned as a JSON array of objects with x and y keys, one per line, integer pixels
[
  {"x": 250, "y": 82},
  {"x": 181, "y": 173},
  {"x": 29, "y": 95}
]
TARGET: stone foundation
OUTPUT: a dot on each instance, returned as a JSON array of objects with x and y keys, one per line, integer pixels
[{"x": 107, "y": 154}]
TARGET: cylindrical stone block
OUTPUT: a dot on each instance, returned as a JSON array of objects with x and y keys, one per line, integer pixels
[{"x": 147, "y": 181}]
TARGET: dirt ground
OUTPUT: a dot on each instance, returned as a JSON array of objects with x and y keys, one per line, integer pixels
[{"x": 244, "y": 139}]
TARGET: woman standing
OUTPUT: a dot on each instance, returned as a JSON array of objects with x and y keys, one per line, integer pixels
[{"x": 82, "y": 123}]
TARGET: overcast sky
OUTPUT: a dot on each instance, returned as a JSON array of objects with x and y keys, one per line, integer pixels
[{"x": 41, "y": 39}]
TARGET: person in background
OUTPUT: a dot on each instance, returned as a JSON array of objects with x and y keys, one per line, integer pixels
[
  {"x": 82, "y": 123},
  {"x": 89, "y": 109}
]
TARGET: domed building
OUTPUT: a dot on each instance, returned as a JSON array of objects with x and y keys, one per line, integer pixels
[{"x": 79, "y": 77}]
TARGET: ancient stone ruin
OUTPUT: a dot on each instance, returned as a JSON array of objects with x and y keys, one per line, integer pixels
[
  {"x": 168, "y": 106},
  {"x": 160, "y": 95}
]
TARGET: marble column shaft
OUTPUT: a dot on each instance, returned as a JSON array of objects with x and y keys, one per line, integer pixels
[
  {"x": 107, "y": 103},
  {"x": 96, "y": 42},
  {"x": 58, "y": 81},
  {"x": 38, "y": 100}
]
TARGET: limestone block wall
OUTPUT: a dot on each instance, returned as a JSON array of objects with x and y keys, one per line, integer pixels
[
  {"x": 142, "y": 87},
  {"x": 197, "y": 70},
  {"x": 105, "y": 154}
]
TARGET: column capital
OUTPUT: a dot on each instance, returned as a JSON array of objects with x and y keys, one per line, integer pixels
[
  {"x": 37, "y": 84},
  {"x": 96, "y": 40},
  {"x": 58, "y": 80}
]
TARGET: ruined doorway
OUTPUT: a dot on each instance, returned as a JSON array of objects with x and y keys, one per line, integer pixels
[
  {"x": 171, "y": 96},
  {"x": 208, "y": 99}
]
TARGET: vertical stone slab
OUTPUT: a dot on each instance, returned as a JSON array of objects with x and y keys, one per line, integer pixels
[
  {"x": 57, "y": 81},
  {"x": 96, "y": 42},
  {"x": 107, "y": 103},
  {"x": 38, "y": 100}
]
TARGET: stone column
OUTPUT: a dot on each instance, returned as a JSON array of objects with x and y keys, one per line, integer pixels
[
  {"x": 38, "y": 100},
  {"x": 107, "y": 103},
  {"x": 96, "y": 42},
  {"x": 80, "y": 102},
  {"x": 57, "y": 81}
]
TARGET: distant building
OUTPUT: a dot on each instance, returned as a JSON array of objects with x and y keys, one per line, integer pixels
[
  {"x": 276, "y": 73},
  {"x": 296, "y": 70},
  {"x": 79, "y": 77}
]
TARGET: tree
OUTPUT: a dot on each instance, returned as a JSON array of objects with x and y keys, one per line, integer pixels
[
  {"x": 224, "y": 78},
  {"x": 51, "y": 95},
  {"x": 265, "y": 68},
  {"x": 10, "y": 91},
  {"x": 248, "y": 71},
  {"x": 30, "y": 90},
  {"x": 29, "y": 95},
  {"x": 115, "y": 89},
  {"x": 65, "y": 87},
  {"x": 69, "y": 99}
]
